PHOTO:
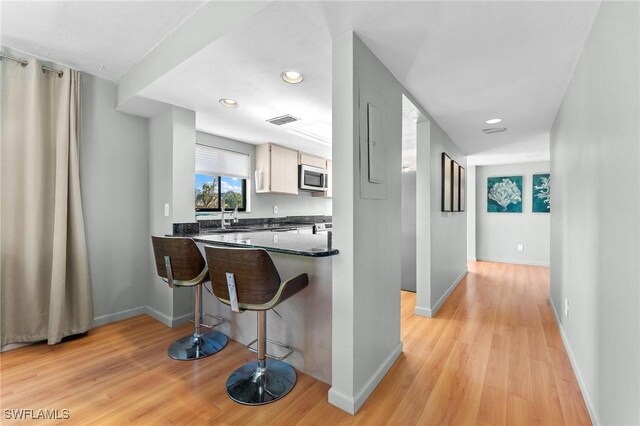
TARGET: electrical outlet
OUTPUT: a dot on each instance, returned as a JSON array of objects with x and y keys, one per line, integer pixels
[
  {"x": 520, "y": 247},
  {"x": 166, "y": 210},
  {"x": 275, "y": 209},
  {"x": 566, "y": 307}
]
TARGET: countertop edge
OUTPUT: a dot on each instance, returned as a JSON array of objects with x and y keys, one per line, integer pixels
[{"x": 327, "y": 253}]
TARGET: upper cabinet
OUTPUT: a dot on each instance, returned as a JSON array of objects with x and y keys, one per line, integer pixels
[
  {"x": 276, "y": 169},
  {"x": 327, "y": 164},
  {"x": 329, "y": 192},
  {"x": 312, "y": 160}
]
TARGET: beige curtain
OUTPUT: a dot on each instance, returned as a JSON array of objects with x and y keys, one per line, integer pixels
[{"x": 45, "y": 292}]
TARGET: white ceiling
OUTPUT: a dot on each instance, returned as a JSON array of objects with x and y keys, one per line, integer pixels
[
  {"x": 103, "y": 38},
  {"x": 245, "y": 64},
  {"x": 465, "y": 62}
]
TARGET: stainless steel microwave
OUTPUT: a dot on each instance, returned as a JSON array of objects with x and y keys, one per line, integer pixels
[{"x": 313, "y": 178}]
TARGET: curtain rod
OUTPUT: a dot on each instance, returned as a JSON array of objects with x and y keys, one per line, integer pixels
[{"x": 25, "y": 63}]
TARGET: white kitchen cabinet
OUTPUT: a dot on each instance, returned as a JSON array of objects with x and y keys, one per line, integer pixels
[
  {"x": 312, "y": 160},
  {"x": 276, "y": 169},
  {"x": 328, "y": 165}
]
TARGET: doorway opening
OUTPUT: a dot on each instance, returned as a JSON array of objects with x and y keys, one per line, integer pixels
[
  {"x": 415, "y": 224},
  {"x": 408, "y": 197}
]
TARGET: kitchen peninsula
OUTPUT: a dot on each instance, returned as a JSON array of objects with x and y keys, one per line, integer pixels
[{"x": 304, "y": 321}]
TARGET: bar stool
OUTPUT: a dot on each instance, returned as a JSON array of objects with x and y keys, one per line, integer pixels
[
  {"x": 180, "y": 264},
  {"x": 247, "y": 280}
]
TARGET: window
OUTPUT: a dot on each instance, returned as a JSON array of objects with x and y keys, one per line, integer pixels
[{"x": 220, "y": 175}]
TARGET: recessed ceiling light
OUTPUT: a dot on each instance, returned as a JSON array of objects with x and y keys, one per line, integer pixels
[
  {"x": 229, "y": 103},
  {"x": 292, "y": 77},
  {"x": 494, "y": 121}
]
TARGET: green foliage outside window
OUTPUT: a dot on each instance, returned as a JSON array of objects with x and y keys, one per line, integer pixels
[{"x": 210, "y": 189}]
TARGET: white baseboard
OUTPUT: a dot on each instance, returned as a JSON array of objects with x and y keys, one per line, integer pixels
[
  {"x": 431, "y": 312},
  {"x": 574, "y": 365},
  {"x": 342, "y": 401},
  {"x": 166, "y": 319},
  {"x": 156, "y": 314},
  {"x": 473, "y": 259},
  {"x": 352, "y": 404},
  {"x": 515, "y": 261},
  {"x": 422, "y": 311},
  {"x": 182, "y": 319},
  {"x": 12, "y": 346},
  {"x": 117, "y": 316}
]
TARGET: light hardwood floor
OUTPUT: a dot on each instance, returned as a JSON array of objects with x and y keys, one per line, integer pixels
[{"x": 492, "y": 356}]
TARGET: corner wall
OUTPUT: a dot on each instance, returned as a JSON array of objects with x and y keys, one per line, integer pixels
[
  {"x": 471, "y": 212},
  {"x": 595, "y": 221},
  {"x": 498, "y": 234},
  {"x": 367, "y": 273},
  {"x": 171, "y": 181},
  {"x": 448, "y": 229}
]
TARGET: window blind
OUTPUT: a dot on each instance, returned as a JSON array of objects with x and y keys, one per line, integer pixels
[{"x": 220, "y": 162}]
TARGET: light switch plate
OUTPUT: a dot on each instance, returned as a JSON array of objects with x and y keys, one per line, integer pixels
[
  {"x": 520, "y": 247},
  {"x": 166, "y": 210},
  {"x": 275, "y": 209},
  {"x": 566, "y": 307}
]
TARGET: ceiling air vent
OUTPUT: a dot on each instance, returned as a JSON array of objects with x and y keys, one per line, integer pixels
[
  {"x": 283, "y": 119},
  {"x": 494, "y": 130}
]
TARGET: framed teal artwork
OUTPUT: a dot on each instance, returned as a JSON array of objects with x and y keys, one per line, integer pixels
[
  {"x": 541, "y": 193},
  {"x": 504, "y": 194}
]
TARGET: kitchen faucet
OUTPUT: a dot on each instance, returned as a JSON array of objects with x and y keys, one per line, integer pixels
[{"x": 223, "y": 223}]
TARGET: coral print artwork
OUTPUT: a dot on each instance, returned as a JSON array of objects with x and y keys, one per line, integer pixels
[
  {"x": 504, "y": 194},
  {"x": 541, "y": 193}
]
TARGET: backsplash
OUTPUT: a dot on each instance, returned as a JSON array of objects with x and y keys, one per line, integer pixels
[{"x": 194, "y": 228}]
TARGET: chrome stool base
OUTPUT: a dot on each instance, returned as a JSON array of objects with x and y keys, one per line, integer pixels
[
  {"x": 252, "y": 385},
  {"x": 192, "y": 347}
]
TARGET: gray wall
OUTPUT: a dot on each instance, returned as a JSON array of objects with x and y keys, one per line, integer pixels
[
  {"x": 448, "y": 229},
  {"x": 366, "y": 274},
  {"x": 595, "y": 222},
  {"x": 160, "y": 297},
  {"x": 261, "y": 205},
  {"x": 408, "y": 231},
  {"x": 114, "y": 182},
  {"x": 171, "y": 181},
  {"x": 471, "y": 212},
  {"x": 366, "y": 219},
  {"x": 498, "y": 234}
]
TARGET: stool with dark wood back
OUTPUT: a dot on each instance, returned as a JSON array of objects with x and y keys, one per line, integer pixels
[
  {"x": 180, "y": 263},
  {"x": 247, "y": 280}
]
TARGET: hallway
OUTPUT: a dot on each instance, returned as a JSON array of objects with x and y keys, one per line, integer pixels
[{"x": 492, "y": 355}]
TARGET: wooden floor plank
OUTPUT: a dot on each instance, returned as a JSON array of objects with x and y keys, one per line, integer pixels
[{"x": 491, "y": 356}]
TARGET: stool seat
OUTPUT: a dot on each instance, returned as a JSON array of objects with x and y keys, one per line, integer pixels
[
  {"x": 285, "y": 291},
  {"x": 247, "y": 280}
]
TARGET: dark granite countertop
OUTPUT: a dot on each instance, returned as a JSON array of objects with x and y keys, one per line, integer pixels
[
  {"x": 264, "y": 226},
  {"x": 248, "y": 225},
  {"x": 278, "y": 242}
]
